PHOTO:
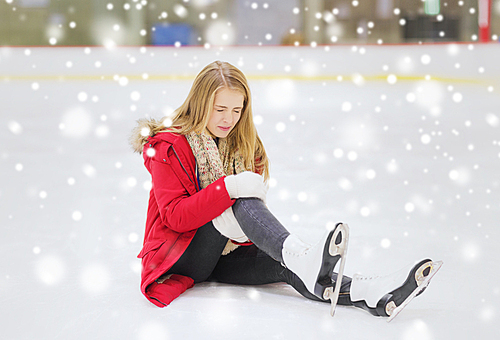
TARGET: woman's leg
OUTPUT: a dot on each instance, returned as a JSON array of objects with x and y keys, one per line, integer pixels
[
  {"x": 202, "y": 254},
  {"x": 313, "y": 264},
  {"x": 249, "y": 265},
  {"x": 261, "y": 226},
  {"x": 380, "y": 295}
]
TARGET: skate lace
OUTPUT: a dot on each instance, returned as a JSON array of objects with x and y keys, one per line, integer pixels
[{"x": 366, "y": 278}]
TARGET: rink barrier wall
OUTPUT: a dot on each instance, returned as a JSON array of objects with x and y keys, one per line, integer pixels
[{"x": 450, "y": 63}]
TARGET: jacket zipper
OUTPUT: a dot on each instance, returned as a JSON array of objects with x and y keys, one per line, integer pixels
[{"x": 182, "y": 165}]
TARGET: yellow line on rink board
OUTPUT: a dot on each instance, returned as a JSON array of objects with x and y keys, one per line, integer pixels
[
  {"x": 173, "y": 77},
  {"x": 339, "y": 78}
]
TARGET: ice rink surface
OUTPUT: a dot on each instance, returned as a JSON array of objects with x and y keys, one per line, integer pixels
[{"x": 400, "y": 142}]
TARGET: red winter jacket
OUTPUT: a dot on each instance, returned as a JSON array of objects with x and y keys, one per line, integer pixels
[{"x": 177, "y": 208}]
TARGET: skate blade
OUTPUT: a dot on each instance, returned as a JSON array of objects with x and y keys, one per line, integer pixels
[
  {"x": 435, "y": 266},
  {"x": 334, "y": 250}
]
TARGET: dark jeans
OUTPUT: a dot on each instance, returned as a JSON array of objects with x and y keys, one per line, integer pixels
[{"x": 248, "y": 265}]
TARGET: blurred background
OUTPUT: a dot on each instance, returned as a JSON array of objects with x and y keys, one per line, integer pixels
[
  {"x": 245, "y": 22},
  {"x": 361, "y": 122}
]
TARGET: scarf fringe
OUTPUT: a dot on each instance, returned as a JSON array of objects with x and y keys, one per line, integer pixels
[{"x": 230, "y": 246}]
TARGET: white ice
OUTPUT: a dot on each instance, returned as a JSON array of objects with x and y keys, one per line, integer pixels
[{"x": 400, "y": 142}]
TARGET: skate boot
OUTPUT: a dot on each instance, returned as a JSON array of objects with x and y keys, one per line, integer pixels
[
  {"x": 388, "y": 295},
  {"x": 314, "y": 265}
]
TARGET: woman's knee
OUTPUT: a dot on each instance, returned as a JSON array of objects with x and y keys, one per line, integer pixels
[
  {"x": 246, "y": 200},
  {"x": 242, "y": 206}
]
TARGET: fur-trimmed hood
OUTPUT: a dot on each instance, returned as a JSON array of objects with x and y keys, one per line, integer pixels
[{"x": 146, "y": 127}]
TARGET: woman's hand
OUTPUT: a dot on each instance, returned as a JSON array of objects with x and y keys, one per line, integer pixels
[{"x": 246, "y": 184}]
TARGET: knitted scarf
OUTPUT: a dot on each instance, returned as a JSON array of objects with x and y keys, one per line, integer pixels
[{"x": 215, "y": 162}]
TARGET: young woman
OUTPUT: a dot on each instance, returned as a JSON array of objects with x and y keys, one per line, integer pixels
[{"x": 207, "y": 219}]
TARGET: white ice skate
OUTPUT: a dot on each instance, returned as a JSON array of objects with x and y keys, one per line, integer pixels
[
  {"x": 314, "y": 265},
  {"x": 388, "y": 295}
]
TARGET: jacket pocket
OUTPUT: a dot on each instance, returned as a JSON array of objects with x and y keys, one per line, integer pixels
[
  {"x": 162, "y": 152},
  {"x": 150, "y": 246}
]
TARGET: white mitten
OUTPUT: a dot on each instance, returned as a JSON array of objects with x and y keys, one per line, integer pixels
[
  {"x": 228, "y": 226},
  {"x": 246, "y": 184}
]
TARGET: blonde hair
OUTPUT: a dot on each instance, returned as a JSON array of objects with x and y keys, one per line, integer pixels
[{"x": 194, "y": 113}]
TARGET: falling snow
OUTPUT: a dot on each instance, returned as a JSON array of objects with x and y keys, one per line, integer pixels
[{"x": 404, "y": 148}]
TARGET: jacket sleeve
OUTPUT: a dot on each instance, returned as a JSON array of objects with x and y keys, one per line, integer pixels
[{"x": 180, "y": 211}]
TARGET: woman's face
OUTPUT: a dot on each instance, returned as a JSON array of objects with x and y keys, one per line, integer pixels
[{"x": 228, "y": 105}]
